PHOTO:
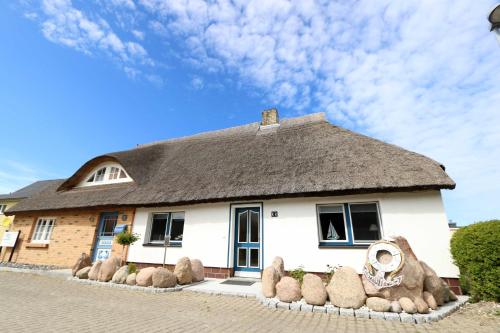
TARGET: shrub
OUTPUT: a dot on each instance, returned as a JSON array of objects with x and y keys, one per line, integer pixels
[
  {"x": 476, "y": 252},
  {"x": 298, "y": 274},
  {"x": 132, "y": 268},
  {"x": 330, "y": 270},
  {"x": 126, "y": 238}
]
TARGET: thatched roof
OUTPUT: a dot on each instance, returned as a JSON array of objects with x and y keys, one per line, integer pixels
[
  {"x": 305, "y": 156},
  {"x": 29, "y": 190}
]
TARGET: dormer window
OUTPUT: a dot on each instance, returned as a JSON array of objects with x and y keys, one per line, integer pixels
[{"x": 106, "y": 173}]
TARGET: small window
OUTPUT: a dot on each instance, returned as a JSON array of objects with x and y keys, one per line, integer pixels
[
  {"x": 2, "y": 208},
  {"x": 43, "y": 230},
  {"x": 158, "y": 227},
  {"x": 123, "y": 174},
  {"x": 167, "y": 224},
  {"x": 91, "y": 179},
  {"x": 99, "y": 176},
  {"x": 177, "y": 227},
  {"x": 332, "y": 227},
  {"x": 365, "y": 222},
  {"x": 113, "y": 174}
]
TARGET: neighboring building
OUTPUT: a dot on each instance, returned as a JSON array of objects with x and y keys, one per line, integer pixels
[
  {"x": 9, "y": 200},
  {"x": 453, "y": 227},
  {"x": 300, "y": 188}
]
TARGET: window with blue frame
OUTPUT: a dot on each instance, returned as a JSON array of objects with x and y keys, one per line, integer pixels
[
  {"x": 348, "y": 224},
  {"x": 163, "y": 224}
]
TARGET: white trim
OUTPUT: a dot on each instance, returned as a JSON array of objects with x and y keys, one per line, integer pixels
[
  {"x": 43, "y": 237},
  {"x": 108, "y": 165},
  {"x": 379, "y": 220},
  {"x": 318, "y": 222}
]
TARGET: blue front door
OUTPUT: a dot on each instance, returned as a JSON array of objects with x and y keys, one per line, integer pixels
[
  {"x": 104, "y": 239},
  {"x": 247, "y": 239}
]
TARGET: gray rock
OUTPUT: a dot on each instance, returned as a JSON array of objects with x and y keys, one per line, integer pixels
[
  {"x": 433, "y": 284},
  {"x": 279, "y": 265},
  {"x": 94, "y": 271},
  {"x": 121, "y": 275},
  {"x": 198, "y": 270},
  {"x": 313, "y": 290},
  {"x": 396, "y": 307},
  {"x": 288, "y": 290},
  {"x": 429, "y": 299},
  {"x": 108, "y": 269},
  {"x": 163, "y": 278},
  {"x": 270, "y": 277},
  {"x": 183, "y": 271},
  {"x": 378, "y": 304},
  {"x": 407, "y": 305},
  {"x": 345, "y": 289},
  {"x": 131, "y": 279},
  {"x": 83, "y": 273},
  {"x": 83, "y": 261},
  {"x": 422, "y": 306},
  {"x": 145, "y": 277}
]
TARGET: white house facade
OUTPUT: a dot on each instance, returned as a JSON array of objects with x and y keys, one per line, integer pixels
[{"x": 291, "y": 228}]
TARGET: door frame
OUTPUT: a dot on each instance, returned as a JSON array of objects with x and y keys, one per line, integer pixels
[
  {"x": 99, "y": 227},
  {"x": 231, "y": 246}
]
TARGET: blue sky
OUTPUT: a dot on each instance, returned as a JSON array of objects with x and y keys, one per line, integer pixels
[{"x": 82, "y": 78}]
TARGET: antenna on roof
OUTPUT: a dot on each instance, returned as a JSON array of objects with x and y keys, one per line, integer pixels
[{"x": 494, "y": 19}]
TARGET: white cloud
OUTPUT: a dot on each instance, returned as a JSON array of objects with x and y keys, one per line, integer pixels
[
  {"x": 415, "y": 73},
  {"x": 62, "y": 23},
  {"x": 15, "y": 175},
  {"x": 138, "y": 34},
  {"x": 197, "y": 83}
]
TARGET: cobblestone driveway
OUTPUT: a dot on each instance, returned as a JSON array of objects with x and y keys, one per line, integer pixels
[{"x": 32, "y": 303}]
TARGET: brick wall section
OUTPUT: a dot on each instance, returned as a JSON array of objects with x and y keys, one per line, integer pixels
[{"x": 74, "y": 232}]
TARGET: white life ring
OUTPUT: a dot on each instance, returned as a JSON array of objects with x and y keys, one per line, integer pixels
[{"x": 393, "y": 249}]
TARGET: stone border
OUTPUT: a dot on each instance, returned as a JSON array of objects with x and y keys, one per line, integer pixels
[
  {"x": 126, "y": 286},
  {"x": 364, "y": 312}
]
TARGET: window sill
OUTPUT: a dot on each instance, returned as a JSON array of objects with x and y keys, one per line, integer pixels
[
  {"x": 161, "y": 245},
  {"x": 342, "y": 246},
  {"x": 38, "y": 245}
]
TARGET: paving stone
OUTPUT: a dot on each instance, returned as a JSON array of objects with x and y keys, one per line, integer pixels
[
  {"x": 346, "y": 312},
  {"x": 319, "y": 309},
  {"x": 362, "y": 313},
  {"x": 376, "y": 315},
  {"x": 419, "y": 318},
  {"x": 295, "y": 306},
  {"x": 306, "y": 308},
  {"x": 392, "y": 316},
  {"x": 406, "y": 318},
  {"x": 283, "y": 305},
  {"x": 332, "y": 309}
]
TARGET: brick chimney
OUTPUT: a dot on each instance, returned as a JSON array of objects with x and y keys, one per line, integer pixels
[{"x": 270, "y": 117}]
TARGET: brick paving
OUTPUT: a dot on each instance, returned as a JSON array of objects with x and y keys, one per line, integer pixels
[{"x": 33, "y": 303}]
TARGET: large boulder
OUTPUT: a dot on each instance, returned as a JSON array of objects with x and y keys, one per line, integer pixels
[
  {"x": 183, "y": 271},
  {"x": 82, "y": 261},
  {"x": 270, "y": 277},
  {"x": 83, "y": 273},
  {"x": 378, "y": 304},
  {"x": 131, "y": 279},
  {"x": 108, "y": 269},
  {"x": 279, "y": 265},
  {"x": 121, "y": 275},
  {"x": 198, "y": 270},
  {"x": 163, "y": 278},
  {"x": 430, "y": 300},
  {"x": 288, "y": 290},
  {"x": 313, "y": 290},
  {"x": 396, "y": 307},
  {"x": 433, "y": 284},
  {"x": 94, "y": 270},
  {"x": 345, "y": 289},
  {"x": 413, "y": 277},
  {"x": 145, "y": 277},
  {"x": 422, "y": 306},
  {"x": 407, "y": 305}
]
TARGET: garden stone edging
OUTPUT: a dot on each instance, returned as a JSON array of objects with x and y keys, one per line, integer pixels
[
  {"x": 364, "y": 312},
  {"x": 126, "y": 286}
]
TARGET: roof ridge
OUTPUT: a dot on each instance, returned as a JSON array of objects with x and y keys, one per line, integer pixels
[{"x": 240, "y": 129}]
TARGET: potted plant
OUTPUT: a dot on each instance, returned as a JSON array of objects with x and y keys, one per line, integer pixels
[{"x": 126, "y": 238}]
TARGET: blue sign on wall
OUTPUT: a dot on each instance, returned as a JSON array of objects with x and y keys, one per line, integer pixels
[{"x": 120, "y": 228}]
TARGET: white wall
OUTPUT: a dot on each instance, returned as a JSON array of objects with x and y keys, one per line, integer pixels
[{"x": 418, "y": 216}]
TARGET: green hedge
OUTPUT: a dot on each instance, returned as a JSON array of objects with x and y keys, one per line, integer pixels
[{"x": 476, "y": 251}]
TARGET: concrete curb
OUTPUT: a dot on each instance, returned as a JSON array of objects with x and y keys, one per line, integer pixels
[{"x": 433, "y": 316}]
